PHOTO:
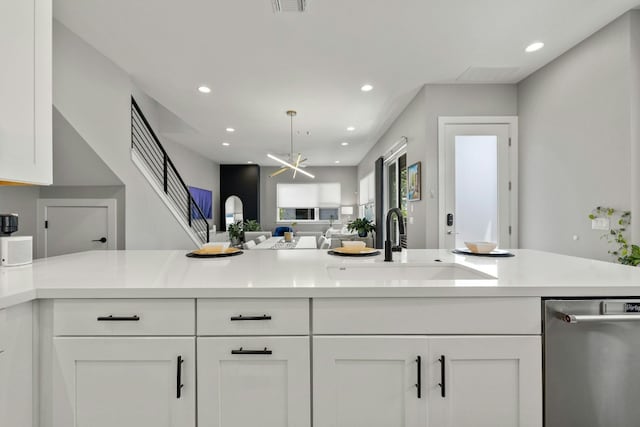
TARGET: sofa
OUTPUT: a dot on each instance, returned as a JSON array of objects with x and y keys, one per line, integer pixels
[{"x": 252, "y": 235}]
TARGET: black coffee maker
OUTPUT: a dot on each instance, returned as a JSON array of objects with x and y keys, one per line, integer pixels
[{"x": 8, "y": 224}]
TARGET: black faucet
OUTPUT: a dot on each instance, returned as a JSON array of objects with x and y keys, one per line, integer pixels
[{"x": 388, "y": 249}]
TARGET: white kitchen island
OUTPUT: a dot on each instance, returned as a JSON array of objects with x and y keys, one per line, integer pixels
[{"x": 145, "y": 337}]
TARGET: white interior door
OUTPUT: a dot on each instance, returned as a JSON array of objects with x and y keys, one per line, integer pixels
[
  {"x": 70, "y": 226},
  {"x": 369, "y": 381},
  {"x": 477, "y": 186},
  {"x": 124, "y": 382},
  {"x": 254, "y": 381}
]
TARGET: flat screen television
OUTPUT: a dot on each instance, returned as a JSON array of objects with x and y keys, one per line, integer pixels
[{"x": 204, "y": 200}]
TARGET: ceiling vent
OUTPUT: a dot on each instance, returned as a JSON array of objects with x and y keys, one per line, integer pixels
[
  {"x": 280, "y": 6},
  {"x": 489, "y": 75}
]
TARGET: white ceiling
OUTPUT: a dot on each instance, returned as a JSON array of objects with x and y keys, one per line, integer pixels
[{"x": 259, "y": 64}]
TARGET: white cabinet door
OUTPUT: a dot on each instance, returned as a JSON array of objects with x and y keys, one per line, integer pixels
[
  {"x": 486, "y": 382},
  {"x": 369, "y": 381},
  {"x": 4, "y": 388},
  {"x": 16, "y": 366},
  {"x": 3, "y": 381},
  {"x": 25, "y": 91},
  {"x": 124, "y": 382},
  {"x": 254, "y": 381}
]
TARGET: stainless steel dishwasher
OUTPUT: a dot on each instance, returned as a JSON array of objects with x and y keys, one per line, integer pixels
[{"x": 592, "y": 363}]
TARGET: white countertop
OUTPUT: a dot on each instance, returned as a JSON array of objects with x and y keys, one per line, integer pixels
[{"x": 303, "y": 273}]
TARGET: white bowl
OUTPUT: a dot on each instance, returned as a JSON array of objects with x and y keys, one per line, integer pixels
[
  {"x": 357, "y": 244},
  {"x": 223, "y": 245},
  {"x": 481, "y": 247}
]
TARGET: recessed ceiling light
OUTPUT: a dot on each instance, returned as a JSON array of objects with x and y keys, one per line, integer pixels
[
  {"x": 344, "y": 144},
  {"x": 351, "y": 128},
  {"x": 250, "y": 162},
  {"x": 366, "y": 88},
  {"x": 534, "y": 47},
  {"x": 230, "y": 130},
  {"x": 336, "y": 162},
  {"x": 225, "y": 144},
  {"x": 204, "y": 89}
]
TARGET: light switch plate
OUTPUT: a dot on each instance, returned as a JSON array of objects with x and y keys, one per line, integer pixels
[{"x": 600, "y": 224}]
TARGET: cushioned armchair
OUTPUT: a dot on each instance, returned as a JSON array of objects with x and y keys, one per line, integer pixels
[{"x": 279, "y": 231}]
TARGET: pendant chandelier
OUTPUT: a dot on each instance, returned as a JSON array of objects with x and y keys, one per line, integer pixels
[{"x": 293, "y": 164}]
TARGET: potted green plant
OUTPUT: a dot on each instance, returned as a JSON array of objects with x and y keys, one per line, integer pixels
[
  {"x": 362, "y": 225},
  {"x": 625, "y": 253},
  {"x": 235, "y": 231},
  {"x": 252, "y": 225}
]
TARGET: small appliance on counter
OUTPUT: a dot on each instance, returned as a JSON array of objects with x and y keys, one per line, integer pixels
[
  {"x": 14, "y": 250},
  {"x": 8, "y": 224}
]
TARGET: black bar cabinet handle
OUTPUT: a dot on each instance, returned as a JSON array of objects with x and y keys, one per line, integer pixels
[
  {"x": 112, "y": 318},
  {"x": 419, "y": 383},
  {"x": 443, "y": 379},
  {"x": 242, "y": 351},
  {"x": 241, "y": 317},
  {"x": 179, "y": 384}
]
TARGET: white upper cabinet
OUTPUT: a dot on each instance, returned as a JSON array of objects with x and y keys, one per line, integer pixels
[
  {"x": 26, "y": 91},
  {"x": 485, "y": 381}
]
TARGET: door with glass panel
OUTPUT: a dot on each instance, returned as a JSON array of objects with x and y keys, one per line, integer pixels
[
  {"x": 476, "y": 184},
  {"x": 395, "y": 191}
]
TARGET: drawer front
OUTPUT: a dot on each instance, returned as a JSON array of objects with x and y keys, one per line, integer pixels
[
  {"x": 427, "y": 316},
  {"x": 223, "y": 317},
  {"x": 123, "y": 317}
]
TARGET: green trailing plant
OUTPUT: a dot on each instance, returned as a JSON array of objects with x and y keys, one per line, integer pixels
[
  {"x": 362, "y": 225},
  {"x": 252, "y": 225},
  {"x": 235, "y": 231},
  {"x": 625, "y": 253}
]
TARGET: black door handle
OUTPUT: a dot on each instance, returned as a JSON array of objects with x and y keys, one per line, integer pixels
[
  {"x": 242, "y": 351},
  {"x": 179, "y": 384},
  {"x": 241, "y": 317},
  {"x": 419, "y": 382},
  {"x": 112, "y": 318},
  {"x": 443, "y": 380},
  {"x": 101, "y": 240}
]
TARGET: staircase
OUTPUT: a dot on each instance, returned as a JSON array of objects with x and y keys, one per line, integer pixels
[{"x": 150, "y": 157}]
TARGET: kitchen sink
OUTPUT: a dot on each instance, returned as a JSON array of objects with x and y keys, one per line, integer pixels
[{"x": 386, "y": 272}]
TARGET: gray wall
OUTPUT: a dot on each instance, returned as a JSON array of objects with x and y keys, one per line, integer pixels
[
  {"x": 197, "y": 171},
  {"x": 575, "y": 133},
  {"x": 93, "y": 95},
  {"x": 345, "y": 175},
  {"x": 419, "y": 123},
  {"x": 74, "y": 161},
  {"x": 78, "y": 172},
  {"x": 635, "y": 122},
  {"x": 23, "y": 201}
]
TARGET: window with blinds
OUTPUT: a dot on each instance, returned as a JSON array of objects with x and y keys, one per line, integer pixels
[{"x": 309, "y": 202}]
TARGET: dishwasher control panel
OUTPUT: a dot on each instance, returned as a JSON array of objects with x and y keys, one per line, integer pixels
[{"x": 620, "y": 306}]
